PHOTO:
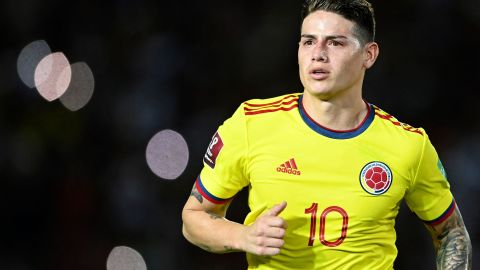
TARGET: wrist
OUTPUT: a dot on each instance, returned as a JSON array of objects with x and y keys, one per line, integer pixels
[{"x": 238, "y": 237}]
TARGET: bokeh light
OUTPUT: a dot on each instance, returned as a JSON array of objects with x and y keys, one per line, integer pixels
[
  {"x": 80, "y": 89},
  {"x": 167, "y": 154},
  {"x": 52, "y": 76},
  {"x": 28, "y": 60},
  {"x": 125, "y": 258}
]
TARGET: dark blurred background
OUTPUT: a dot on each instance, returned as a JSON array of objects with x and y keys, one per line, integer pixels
[{"x": 76, "y": 184}]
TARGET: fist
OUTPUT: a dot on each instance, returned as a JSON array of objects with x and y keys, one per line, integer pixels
[{"x": 265, "y": 235}]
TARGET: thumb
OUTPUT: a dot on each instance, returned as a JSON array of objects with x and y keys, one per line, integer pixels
[{"x": 277, "y": 209}]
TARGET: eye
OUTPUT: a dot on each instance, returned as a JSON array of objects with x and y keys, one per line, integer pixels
[
  {"x": 308, "y": 42},
  {"x": 335, "y": 43}
]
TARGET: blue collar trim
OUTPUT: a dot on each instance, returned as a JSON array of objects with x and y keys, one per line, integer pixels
[{"x": 332, "y": 133}]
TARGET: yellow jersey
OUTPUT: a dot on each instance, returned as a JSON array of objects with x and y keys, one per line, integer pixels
[{"x": 343, "y": 189}]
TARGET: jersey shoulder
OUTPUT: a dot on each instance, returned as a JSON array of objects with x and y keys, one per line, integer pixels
[
  {"x": 391, "y": 122},
  {"x": 283, "y": 103},
  {"x": 249, "y": 113}
]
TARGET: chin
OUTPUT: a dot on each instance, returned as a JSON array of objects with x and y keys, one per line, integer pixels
[
  {"x": 322, "y": 96},
  {"x": 320, "y": 93}
]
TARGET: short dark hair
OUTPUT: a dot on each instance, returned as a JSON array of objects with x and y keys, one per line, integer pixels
[{"x": 358, "y": 11}]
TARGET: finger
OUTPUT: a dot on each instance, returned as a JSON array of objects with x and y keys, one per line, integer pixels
[
  {"x": 273, "y": 221},
  {"x": 267, "y": 251},
  {"x": 271, "y": 242},
  {"x": 277, "y": 209},
  {"x": 275, "y": 233}
]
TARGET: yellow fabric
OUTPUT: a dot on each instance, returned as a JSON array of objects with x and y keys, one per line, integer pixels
[{"x": 263, "y": 135}]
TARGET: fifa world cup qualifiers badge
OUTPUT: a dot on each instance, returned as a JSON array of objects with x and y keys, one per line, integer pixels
[
  {"x": 213, "y": 150},
  {"x": 376, "y": 178}
]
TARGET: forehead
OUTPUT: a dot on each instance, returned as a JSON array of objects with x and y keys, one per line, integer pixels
[{"x": 327, "y": 23}]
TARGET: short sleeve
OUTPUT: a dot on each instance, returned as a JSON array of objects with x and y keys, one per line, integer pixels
[
  {"x": 223, "y": 174},
  {"x": 429, "y": 196}
]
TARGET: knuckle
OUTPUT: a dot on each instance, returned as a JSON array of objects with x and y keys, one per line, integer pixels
[
  {"x": 261, "y": 219},
  {"x": 278, "y": 222},
  {"x": 260, "y": 251},
  {"x": 262, "y": 230},
  {"x": 257, "y": 232},
  {"x": 260, "y": 241},
  {"x": 263, "y": 222}
]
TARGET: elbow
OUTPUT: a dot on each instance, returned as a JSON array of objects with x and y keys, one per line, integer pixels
[
  {"x": 188, "y": 227},
  {"x": 192, "y": 235},
  {"x": 186, "y": 234}
]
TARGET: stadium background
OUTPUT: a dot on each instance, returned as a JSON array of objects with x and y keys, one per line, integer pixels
[{"x": 75, "y": 185}]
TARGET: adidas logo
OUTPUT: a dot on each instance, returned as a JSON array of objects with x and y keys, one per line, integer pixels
[{"x": 289, "y": 167}]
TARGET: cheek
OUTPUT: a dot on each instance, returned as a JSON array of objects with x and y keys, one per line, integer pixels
[
  {"x": 351, "y": 63},
  {"x": 302, "y": 69},
  {"x": 303, "y": 63},
  {"x": 301, "y": 57},
  {"x": 301, "y": 72},
  {"x": 352, "y": 71}
]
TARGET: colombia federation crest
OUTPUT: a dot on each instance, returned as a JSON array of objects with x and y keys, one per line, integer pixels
[{"x": 376, "y": 178}]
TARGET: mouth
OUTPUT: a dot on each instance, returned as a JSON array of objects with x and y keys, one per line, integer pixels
[{"x": 319, "y": 73}]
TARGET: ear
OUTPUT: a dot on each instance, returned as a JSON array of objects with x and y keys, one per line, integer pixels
[{"x": 371, "y": 53}]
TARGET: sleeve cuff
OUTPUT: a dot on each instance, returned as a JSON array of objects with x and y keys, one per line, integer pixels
[
  {"x": 443, "y": 216},
  {"x": 207, "y": 195}
]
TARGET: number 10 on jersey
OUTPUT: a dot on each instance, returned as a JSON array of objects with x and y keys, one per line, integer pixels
[{"x": 312, "y": 210}]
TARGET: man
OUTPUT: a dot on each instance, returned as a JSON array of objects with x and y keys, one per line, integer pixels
[{"x": 326, "y": 170}]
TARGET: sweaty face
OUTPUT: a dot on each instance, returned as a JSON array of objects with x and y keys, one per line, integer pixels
[{"x": 330, "y": 57}]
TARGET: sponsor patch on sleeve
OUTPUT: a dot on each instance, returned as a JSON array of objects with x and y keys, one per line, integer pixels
[
  {"x": 441, "y": 168},
  {"x": 213, "y": 150}
]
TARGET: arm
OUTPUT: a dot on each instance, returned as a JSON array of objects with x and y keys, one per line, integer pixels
[
  {"x": 452, "y": 243},
  {"x": 205, "y": 225}
]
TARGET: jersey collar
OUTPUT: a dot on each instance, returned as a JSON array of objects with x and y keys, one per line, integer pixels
[{"x": 336, "y": 134}]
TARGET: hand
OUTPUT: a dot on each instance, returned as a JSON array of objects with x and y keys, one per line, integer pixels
[{"x": 265, "y": 235}]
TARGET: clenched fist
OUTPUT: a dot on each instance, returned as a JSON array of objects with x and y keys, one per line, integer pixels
[{"x": 265, "y": 235}]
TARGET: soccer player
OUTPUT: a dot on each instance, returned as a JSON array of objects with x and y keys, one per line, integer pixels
[{"x": 325, "y": 169}]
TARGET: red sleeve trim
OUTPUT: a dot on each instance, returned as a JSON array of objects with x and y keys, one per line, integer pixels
[
  {"x": 207, "y": 195},
  {"x": 443, "y": 216}
]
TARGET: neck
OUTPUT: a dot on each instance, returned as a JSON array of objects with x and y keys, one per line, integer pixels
[{"x": 336, "y": 114}]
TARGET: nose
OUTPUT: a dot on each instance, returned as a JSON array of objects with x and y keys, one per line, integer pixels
[{"x": 320, "y": 53}]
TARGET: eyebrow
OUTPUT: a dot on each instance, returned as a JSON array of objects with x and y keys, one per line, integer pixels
[{"x": 327, "y": 37}]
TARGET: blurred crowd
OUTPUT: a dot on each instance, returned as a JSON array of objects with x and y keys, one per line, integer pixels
[{"x": 76, "y": 184}]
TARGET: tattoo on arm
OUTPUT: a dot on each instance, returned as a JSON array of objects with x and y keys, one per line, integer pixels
[
  {"x": 217, "y": 216},
  {"x": 199, "y": 197},
  {"x": 454, "y": 249},
  {"x": 219, "y": 213},
  {"x": 196, "y": 194},
  {"x": 229, "y": 249},
  {"x": 214, "y": 216},
  {"x": 209, "y": 249}
]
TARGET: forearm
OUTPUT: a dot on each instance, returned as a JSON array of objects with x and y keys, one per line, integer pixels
[
  {"x": 211, "y": 232},
  {"x": 455, "y": 250},
  {"x": 452, "y": 243}
]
